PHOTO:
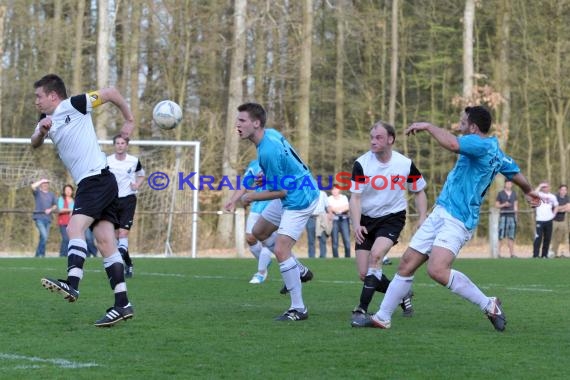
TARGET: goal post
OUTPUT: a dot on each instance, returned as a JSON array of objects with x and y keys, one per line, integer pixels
[{"x": 167, "y": 211}]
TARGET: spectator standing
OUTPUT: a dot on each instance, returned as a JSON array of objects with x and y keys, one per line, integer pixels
[
  {"x": 560, "y": 224},
  {"x": 65, "y": 205},
  {"x": 545, "y": 213},
  {"x": 315, "y": 229},
  {"x": 339, "y": 206},
  {"x": 45, "y": 204},
  {"x": 508, "y": 205}
]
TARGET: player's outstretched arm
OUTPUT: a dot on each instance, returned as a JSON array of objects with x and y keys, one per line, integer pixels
[
  {"x": 445, "y": 138},
  {"x": 41, "y": 132},
  {"x": 531, "y": 195},
  {"x": 111, "y": 94}
]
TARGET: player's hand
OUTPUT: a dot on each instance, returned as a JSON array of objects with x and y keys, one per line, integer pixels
[
  {"x": 416, "y": 127},
  {"x": 533, "y": 199},
  {"x": 45, "y": 125},
  {"x": 230, "y": 206},
  {"x": 127, "y": 129},
  {"x": 246, "y": 199},
  {"x": 359, "y": 233},
  {"x": 259, "y": 179}
]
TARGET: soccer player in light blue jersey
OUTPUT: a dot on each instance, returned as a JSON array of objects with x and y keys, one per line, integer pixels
[
  {"x": 455, "y": 215},
  {"x": 293, "y": 192}
]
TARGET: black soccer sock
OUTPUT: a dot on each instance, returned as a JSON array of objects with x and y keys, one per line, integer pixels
[
  {"x": 126, "y": 257},
  {"x": 76, "y": 254},
  {"x": 116, "y": 273},
  {"x": 368, "y": 289},
  {"x": 382, "y": 285}
]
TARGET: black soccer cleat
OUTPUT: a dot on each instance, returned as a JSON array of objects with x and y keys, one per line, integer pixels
[
  {"x": 115, "y": 314},
  {"x": 496, "y": 315},
  {"x": 293, "y": 315},
  {"x": 129, "y": 271},
  {"x": 406, "y": 305},
  {"x": 62, "y": 287},
  {"x": 359, "y": 318}
]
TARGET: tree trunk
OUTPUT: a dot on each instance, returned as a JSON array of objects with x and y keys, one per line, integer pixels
[
  {"x": 304, "y": 99},
  {"x": 468, "y": 21},
  {"x": 394, "y": 65},
  {"x": 55, "y": 40},
  {"x": 231, "y": 141},
  {"x": 339, "y": 86},
  {"x": 2, "y": 17},
  {"x": 103, "y": 34},
  {"x": 76, "y": 84}
]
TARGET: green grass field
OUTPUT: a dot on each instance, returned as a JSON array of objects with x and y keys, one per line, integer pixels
[{"x": 200, "y": 318}]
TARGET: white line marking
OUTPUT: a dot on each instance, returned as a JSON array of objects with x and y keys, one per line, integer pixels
[{"x": 62, "y": 363}]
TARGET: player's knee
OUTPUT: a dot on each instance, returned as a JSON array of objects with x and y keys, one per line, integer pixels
[{"x": 250, "y": 239}]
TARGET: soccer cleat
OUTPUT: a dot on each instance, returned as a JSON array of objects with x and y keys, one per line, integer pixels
[
  {"x": 373, "y": 321},
  {"x": 258, "y": 278},
  {"x": 386, "y": 261},
  {"x": 62, "y": 287},
  {"x": 495, "y": 314},
  {"x": 359, "y": 318},
  {"x": 406, "y": 305},
  {"x": 293, "y": 315},
  {"x": 115, "y": 314},
  {"x": 129, "y": 271},
  {"x": 307, "y": 276}
]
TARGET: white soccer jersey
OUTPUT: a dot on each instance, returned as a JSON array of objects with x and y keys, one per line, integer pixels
[
  {"x": 73, "y": 134},
  {"x": 126, "y": 172},
  {"x": 383, "y": 185}
]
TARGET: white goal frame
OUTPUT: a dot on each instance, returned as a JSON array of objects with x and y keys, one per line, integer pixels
[{"x": 164, "y": 143}]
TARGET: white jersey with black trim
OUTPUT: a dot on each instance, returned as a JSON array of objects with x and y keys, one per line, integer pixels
[
  {"x": 73, "y": 134},
  {"x": 126, "y": 172},
  {"x": 383, "y": 185}
]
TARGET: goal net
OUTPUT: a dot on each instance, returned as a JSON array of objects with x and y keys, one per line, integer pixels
[{"x": 166, "y": 219}]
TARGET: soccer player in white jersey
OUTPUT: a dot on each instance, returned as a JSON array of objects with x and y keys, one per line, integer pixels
[
  {"x": 379, "y": 181},
  {"x": 455, "y": 215},
  {"x": 293, "y": 193},
  {"x": 68, "y": 123},
  {"x": 130, "y": 176}
]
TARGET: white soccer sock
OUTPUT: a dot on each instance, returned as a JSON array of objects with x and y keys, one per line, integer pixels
[
  {"x": 302, "y": 269},
  {"x": 256, "y": 249},
  {"x": 123, "y": 243},
  {"x": 461, "y": 285},
  {"x": 264, "y": 260},
  {"x": 399, "y": 287},
  {"x": 375, "y": 272},
  {"x": 291, "y": 276},
  {"x": 270, "y": 242}
]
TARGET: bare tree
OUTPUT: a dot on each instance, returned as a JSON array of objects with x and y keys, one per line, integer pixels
[
  {"x": 235, "y": 96},
  {"x": 468, "y": 71},
  {"x": 103, "y": 42},
  {"x": 339, "y": 84},
  {"x": 394, "y": 65},
  {"x": 2, "y": 18},
  {"x": 303, "y": 102},
  {"x": 77, "y": 65}
]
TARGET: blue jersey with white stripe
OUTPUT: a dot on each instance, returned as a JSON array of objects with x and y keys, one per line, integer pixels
[
  {"x": 284, "y": 170},
  {"x": 253, "y": 169},
  {"x": 480, "y": 160}
]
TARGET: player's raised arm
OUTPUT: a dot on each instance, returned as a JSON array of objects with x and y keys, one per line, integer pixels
[
  {"x": 445, "y": 138},
  {"x": 111, "y": 94}
]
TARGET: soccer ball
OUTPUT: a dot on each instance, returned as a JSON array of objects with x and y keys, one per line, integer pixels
[{"x": 167, "y": 114}]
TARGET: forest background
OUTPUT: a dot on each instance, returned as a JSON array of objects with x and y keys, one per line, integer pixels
[{"x": 325, "y": 71}]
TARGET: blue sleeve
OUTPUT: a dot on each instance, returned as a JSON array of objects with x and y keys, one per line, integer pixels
[
  {"x": 509, "y": 167},
  {"x": 60, "y": 203}
]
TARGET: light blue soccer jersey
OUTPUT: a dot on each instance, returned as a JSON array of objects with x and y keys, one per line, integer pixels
[
  {"x": 284, "y": 170},
  {"x": 480, "y": 160},
  {"x": 253, "y": 169}
]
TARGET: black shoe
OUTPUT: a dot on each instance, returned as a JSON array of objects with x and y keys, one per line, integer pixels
[
  {"x": 293, "y": 315},
  {"x": 307, "y": 276},
  {"x": 62, "y": 287},
  {"x": 129, "y": 271},
  {"x": 115, "y": 314},
  {"x": 284, "y": 290},
  {"x": 360, "y": 318},
  {"x": 496, "y": 315},
  {"x": 406, "y": 305}
]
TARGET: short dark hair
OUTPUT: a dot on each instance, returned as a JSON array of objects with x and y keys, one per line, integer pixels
[
  {"x": 480, "y": 116},
  {"x": 255, "y": 111},
  {"x": 120, "y": 136},
  {"x": 389, "y": 128},
  {"x": 52, "y": 82}
]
